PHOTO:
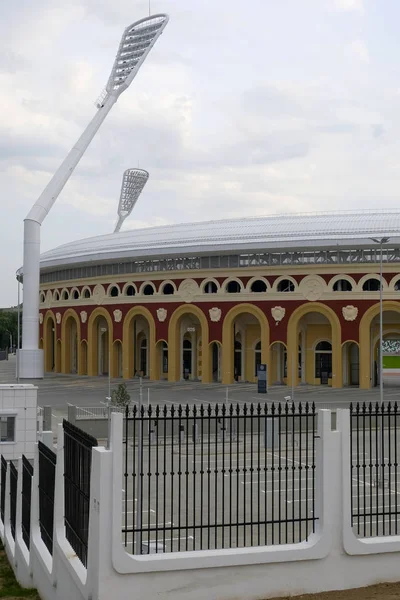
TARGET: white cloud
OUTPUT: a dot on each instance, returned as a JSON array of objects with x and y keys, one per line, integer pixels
[
  {"x": 359, "y": 49},
  {"x": 349, "y": 5}
]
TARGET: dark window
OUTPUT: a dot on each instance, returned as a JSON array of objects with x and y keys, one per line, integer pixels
[
  {"x": 114, "y": 291},
  {"x": 285, "y": 286},
  {"x": 210, "y": 288},
  {"x": 371, "y": 285},
  {"x": 323, "y": 347},
  {"x": 168, "y": 289},
  {"x": 259, "y": 286},
  {"x": 65, "y": 295},
  {"x": 56, "y": 296},
  {"x": 233, "y": 287},
  {"x": 86, "y": 293},
  {"x": 397, "y": 285},
  {"x": 76, "y": 294},
  {"x": 7, "y": 429},
  {"x": 148, "y": 290},
  {"x": 342, "y": 285},
  {"x": 130, "y": 290}
]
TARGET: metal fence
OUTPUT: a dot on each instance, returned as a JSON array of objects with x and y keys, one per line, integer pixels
[
  {"x": 47, "y": 477},
  {"x": 199, "y": 478},
  {"x": 13, "y": 497},
  {"x": 77, "y": 468},
  {"x": 375, "y": 475},
  {"x": 3, "y": 475},
  {"x": 27, "y": 474}
]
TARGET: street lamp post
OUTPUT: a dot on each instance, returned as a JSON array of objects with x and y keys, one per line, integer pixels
[
  {"x": 136, "y": 43},
  {"x": 380, "y": 481}
]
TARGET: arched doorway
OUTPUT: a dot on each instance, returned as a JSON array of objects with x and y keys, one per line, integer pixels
[
  {"x": 310, "y": 325},
  {"x": 100, "y": 343},
  {"x": 216, "y": 361},
  {"x": 323, "y": 362},
  {"x": 139, "y": 344},
  {"x": 351, "y": 364},
  {"x": 84, "y": 358},
  {"x": 117, "y": 371},
  {"x": 369, "y": 339},
  {"x": 49, "y": 333},
  {"x": 245, "y": 336},
  {"x": 70, "y": 336},
  {"x": 162, "y": 360},
  {"x": 189, "y": 350},
  {"x": 278, "y": 364}
]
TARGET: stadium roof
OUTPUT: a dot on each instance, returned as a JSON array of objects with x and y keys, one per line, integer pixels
[{"x": 271, "y": 233}]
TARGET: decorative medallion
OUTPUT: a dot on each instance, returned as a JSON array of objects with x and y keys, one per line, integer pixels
[
  {"x": 99, "y": 294},
  {"x": 350, "y": 312},
  {"x": 40, "y": 318},
  {"x": 312, "y": 287},
  {"x": 278, "y": 312},
  {"x": 83, "y": 316},
  {"x": 161, "y": 314},
  {"x": 188, "y": 290},
  {"x": 117, "y": 315},
  {"x": 58, "y": 318},
  {"x": 215, "y": 314},
  {"x": 49, "y": 298}
]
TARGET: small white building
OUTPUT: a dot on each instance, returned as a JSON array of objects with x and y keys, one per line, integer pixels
[{"x": 18, "y": 420}]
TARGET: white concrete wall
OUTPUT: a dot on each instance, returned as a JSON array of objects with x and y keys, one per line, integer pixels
[
  {"x": 20, "y": 400},
  {"x": 333, "y": 558}
]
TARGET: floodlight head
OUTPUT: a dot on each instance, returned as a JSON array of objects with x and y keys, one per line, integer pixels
[
  {"x": 384, "y": 240},
  {"x": 133, "y": 182},
  {"x": 137, "y": 41}
]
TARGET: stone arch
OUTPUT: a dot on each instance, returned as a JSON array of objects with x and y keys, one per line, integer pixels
[
  {"x": 93, "y": 354},
  {"x": 215, "y": 350},
  {"x": 126, "y": 288},
  {"x": 253, "y": 280},
  {"x": 228, "y": 341},
  {"x": 278, "y": 366},
  {"x": 70, "y": 350},
  {"x": 333, "y": 280},
  {"x": 174, "y": 342},
  {"x": 127, "y": 346},
  {"x": 209, "y": 280},
  {"x": 165, "y": 283},
  {"x": 144, "y": 286},
  {"x": 74, "y": 291},
  {"x": 112, "y": 288},
  {"x": 293, "y": 334},
  {"x": 229, "y": 280},
  {"x": 392, "y": 283},
  {"x": 283, "y": 278},
  {"x": 117, "y": 358},
  {"x": 84, "y": 357},
  {"x": 371, "y": 276},
  {"x": 351, "y": 363},
  {"x": 161, "y": 359},
  {"x": 365, "y": 339},
  {"x": 84, "y": 295},
  {"x": 49, "y": 342}
]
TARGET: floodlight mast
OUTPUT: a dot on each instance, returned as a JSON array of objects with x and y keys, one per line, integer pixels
[
  {"x": 136, "y": 43},
  {"x": 133, "y": 182}
]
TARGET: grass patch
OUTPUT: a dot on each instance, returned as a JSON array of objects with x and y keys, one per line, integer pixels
[{"x": 9, "y": 587}]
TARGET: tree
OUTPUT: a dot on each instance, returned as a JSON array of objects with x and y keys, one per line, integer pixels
[
  {"x": 120, "y": 397},
  {"x": 8, "y": 325}
]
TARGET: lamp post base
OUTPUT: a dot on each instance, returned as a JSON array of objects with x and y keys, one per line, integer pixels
[{"x": 30, "y": 364}]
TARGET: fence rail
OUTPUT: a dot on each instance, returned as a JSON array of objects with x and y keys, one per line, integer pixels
[
  {"x": 3, "y": 475},
  {"x": 27, "y": 474},
  {"x": 199, "y": 478},
  {"x": 47, "y": 477},
  {"x": 77, "y": 468},
  {"x": 375, "y": 475},
  {"x": 13, "y": 497}
]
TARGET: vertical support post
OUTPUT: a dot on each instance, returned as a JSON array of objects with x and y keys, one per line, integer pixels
[
  {"x": 139, "y": 474},
  {"x": 18, "y": 330}
]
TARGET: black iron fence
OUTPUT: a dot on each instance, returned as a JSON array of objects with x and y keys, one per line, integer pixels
[
  {"x": 13, "y": 497},
  {"x": 199, "y": 478},
  {"x": 47, "y": 478},
  {"x": 27, "y": 474},
  {"x": 375, "y": 452},
  {"x": 77, "y": 467},
  {"x": 3, "y": 475}
]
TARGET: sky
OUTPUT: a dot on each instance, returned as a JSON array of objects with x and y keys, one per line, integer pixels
[{"x": 241, "y": 109}]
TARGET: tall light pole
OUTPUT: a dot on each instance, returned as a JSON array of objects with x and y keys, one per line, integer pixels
[
  {"x": 133, "y": 182},
  {"x": 380, "y": 478},
  {"x": 136, "y": 43}
]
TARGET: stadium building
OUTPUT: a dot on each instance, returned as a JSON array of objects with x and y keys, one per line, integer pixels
[{"x": 210, "y": 301}]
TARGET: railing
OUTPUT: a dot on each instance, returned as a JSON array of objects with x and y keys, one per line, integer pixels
[
  {"x": 95, "y": 412},
  {"x": 77, "y": 467},
  {"x": 199, "y": 478},
  {"x": 3, "y": 476},
  {"x": 27, "y": 474},
  {"x": 375, "y": 475},
  {"x": 47, "y": 475},
  {"x": 13, "y": 497}
]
